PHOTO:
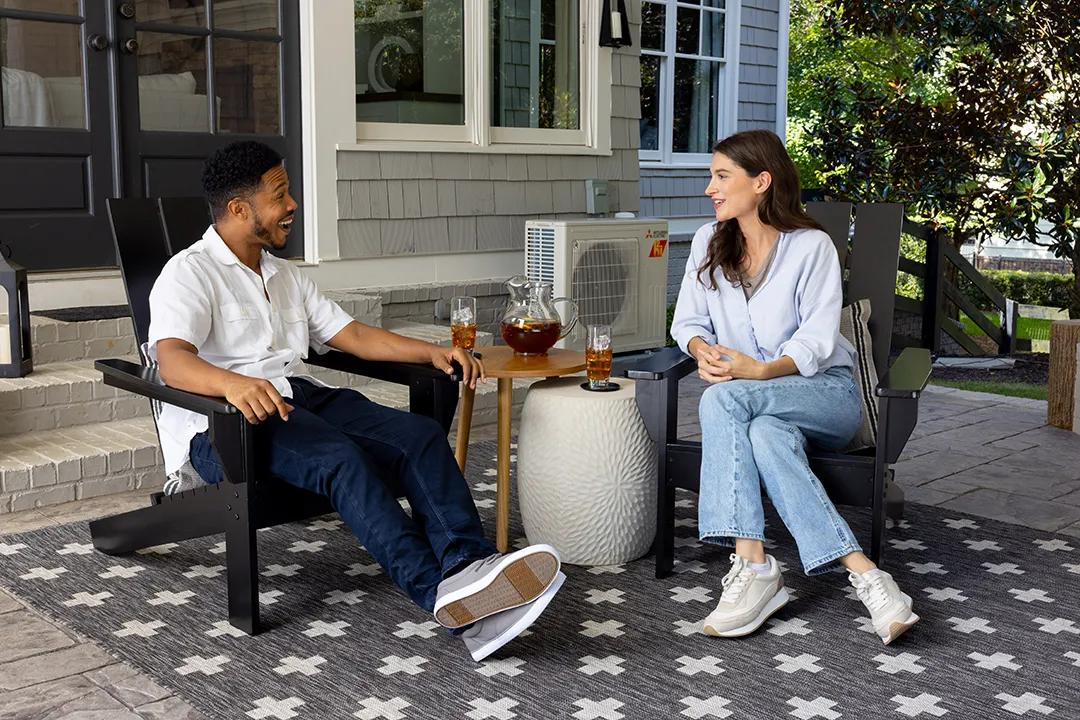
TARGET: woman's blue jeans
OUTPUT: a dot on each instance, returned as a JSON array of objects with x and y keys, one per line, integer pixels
[
  {"x": 361, "y": 455},
  {"x": 754, "y": 435}
]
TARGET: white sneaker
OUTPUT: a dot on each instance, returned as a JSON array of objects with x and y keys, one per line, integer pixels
[
  {"x": 749, "y": 599},
  {"x": 890, "y": 609}
]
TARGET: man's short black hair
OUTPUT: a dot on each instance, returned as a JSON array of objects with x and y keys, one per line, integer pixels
[{"x": 236, "y": 170}]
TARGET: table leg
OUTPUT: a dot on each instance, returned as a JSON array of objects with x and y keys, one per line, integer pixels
[
  {"x": 502, "y": 487},
  {"x": 468, "y": 394}
]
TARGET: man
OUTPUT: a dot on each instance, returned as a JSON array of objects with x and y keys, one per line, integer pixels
[{"x": 230, "y": 319}]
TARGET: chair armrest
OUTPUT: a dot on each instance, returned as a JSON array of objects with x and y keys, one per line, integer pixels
[
  {"x": 147, "y": 383},
  {"x": 907, "y": 377},
  {"x": 400, "y": 373},
  {"x": 661, "y": 364}
]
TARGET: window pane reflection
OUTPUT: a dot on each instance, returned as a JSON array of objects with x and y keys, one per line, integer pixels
[
  {"x": 191, "y": 13},
  {"x": 410, "y": 65},
  {"x": 247, "y": 77},
  {"x": 650, "y": 102},
  {"x": 536, "y": 69},
  {"x": 41, "y": 64},
  {"x": 172, "y": 83},
  {"x": 696, "y": 94}
]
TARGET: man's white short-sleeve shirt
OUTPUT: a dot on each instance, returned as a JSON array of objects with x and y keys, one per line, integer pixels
[{"x": 256, "y": 326}]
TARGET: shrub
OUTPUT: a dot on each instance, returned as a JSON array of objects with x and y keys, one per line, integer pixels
[{"x": 1028, "y": 288}]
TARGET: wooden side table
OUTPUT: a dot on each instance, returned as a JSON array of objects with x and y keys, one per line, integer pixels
[{"x": 502, "y": 364}]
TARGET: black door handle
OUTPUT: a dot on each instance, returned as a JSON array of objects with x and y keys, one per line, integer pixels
[{"x": 97, "y": 42}]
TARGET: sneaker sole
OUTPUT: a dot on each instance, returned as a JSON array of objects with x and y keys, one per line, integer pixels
[
  {"x": 519, "y": 578},
  {"x": 898, "y": 628},
  {"x": 535, "y": 610},
  {"x": 779, "y": 600}
]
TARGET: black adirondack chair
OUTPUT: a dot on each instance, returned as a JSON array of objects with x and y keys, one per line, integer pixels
[
  {"x": 248, "y": 498},
  {"x": 861, "y": 478}
]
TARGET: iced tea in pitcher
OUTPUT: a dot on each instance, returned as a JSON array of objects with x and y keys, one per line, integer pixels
[
  {"x": 531, "y": 325},
  {"x": 530, "y": 337}
]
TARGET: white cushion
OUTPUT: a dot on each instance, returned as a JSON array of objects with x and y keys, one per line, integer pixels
[
  {"x": 180, "y": 83},
  {"x": 853, "y": 326}
]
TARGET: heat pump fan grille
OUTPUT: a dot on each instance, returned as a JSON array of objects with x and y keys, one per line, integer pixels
[
  {"x": 604, "y": 283},
  {"x": 540, "y": 254}
]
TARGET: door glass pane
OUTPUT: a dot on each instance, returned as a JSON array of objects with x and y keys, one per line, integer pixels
[
  {"x": 650, "y": 102},
  {"x": 652, "y": 26},
  {"x": 410, "y": 63},
  {"x": 536, "y": 78},
  {"x": 174, "y": 12},
  {"x": 247, "y": 78},
  {"x": 246, "y": 15},
  {"x": 64, "y": 7},
  {"x": 686, "y": 30},
  {"x": 42, "y": 68},
  {"x": 712, "y": 34},
  {"x": 696, "y": 94},
  {"x": 172, "y": 83}
]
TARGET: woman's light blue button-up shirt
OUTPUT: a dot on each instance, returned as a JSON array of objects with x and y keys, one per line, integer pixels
[{"x": 795, "y": 312}]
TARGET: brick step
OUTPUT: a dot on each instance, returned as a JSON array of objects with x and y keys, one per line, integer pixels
[
  {"x": 58, "y": 341},
  {"x": 63, "y": 394},
  {"x": 57, "y": 466}
]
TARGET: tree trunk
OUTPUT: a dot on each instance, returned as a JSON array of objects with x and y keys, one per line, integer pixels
[{"x": 1064, "y": 336}]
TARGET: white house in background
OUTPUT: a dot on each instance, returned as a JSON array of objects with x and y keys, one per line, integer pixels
[{"x": 421, "y": 134}]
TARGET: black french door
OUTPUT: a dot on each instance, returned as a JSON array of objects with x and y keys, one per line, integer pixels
[{"x": 103, "y": 98}]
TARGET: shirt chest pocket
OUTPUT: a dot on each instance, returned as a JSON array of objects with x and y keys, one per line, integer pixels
[
  {"x": 243, "y": 322},
  {"x": 294, "y": 327}
]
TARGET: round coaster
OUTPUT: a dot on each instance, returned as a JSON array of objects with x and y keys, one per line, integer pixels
[{"x": 611, "y": 387}]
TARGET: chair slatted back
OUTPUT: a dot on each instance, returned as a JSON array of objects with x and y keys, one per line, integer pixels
[
  {"x": 835, "y": 217},
  {"x": 875, "y": 257},
  {"x": 142, "y": 251},
  {"x": 185, "y": 220},
  {"x": 871, "y": 261}
]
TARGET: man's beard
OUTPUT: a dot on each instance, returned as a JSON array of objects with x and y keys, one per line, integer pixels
[{"x": 264, "y": 233}]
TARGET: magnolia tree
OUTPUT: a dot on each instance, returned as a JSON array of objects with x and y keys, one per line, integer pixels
[{"x": 965, "y": 111}]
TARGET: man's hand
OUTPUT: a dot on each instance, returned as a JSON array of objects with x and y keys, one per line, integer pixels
[
  {"x": 472, "y": 369},
  {"x": 258, "y": 399}
]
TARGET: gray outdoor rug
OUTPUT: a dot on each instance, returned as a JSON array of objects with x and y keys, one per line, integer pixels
[{"x": 1000, "y": 635}]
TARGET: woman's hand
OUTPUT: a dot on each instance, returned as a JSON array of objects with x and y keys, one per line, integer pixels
[{"x": 717, "y": 363}]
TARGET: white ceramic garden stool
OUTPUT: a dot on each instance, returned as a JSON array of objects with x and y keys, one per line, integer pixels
[{"x": 586, "y": 472}]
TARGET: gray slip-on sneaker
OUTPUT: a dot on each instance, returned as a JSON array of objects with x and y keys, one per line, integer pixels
[
  {"x": 491, "y": 633},
  {"x": 495, "y": 584}
]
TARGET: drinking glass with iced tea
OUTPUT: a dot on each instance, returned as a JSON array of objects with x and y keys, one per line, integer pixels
[
  {"x": 598, "y": 356},
  {"x": 463, "y": 322}
]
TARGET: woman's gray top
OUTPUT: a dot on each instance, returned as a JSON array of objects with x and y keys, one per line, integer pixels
[{"x": 750, "y": 285}]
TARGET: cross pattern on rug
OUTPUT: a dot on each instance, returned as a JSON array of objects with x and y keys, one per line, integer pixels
[{"x": 1000, "y": 635}]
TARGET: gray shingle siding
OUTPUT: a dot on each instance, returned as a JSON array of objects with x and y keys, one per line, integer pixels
[
  {"x": 400, "y": 203},
  {"x": 758, "y": 60}
]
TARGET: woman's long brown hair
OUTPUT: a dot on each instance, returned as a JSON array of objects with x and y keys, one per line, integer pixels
[{"x": 755, "y": 151}]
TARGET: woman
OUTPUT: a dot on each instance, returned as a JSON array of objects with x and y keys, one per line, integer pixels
[{"x": 759, "y": 309}]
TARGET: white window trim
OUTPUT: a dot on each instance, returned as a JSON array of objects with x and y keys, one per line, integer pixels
[
  {"x": 477, "y": 135},
  {"x": 727, "y": 115}
]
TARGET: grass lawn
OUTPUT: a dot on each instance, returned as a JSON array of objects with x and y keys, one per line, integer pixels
[
  {"x": 1026, "y": 328},
  {"x": 1013, "y": 389}
]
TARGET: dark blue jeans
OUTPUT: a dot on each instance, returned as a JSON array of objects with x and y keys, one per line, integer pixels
[{"x": 355, "y": 452}]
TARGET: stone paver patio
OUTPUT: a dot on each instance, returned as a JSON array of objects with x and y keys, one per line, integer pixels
[{"x": 981, "y": 454}]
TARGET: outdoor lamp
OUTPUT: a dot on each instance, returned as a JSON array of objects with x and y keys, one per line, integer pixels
[
  {"x": 614, "y": 25},
  {"x": 15, "y": 353}
]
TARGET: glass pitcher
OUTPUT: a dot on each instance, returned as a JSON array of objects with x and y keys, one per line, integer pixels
[{"x": 531, "y": 325}]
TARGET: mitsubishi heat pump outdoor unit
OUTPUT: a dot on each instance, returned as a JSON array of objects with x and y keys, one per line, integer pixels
[{"x": 615, "y": 270}]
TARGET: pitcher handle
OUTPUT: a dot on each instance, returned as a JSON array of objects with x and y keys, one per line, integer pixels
[{"x": 567, "y": 326}]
